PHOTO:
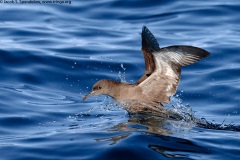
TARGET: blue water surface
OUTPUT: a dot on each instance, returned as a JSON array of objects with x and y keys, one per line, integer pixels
[{"x": 52, "y": 54}]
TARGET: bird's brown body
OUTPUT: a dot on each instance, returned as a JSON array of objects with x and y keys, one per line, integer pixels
[
  {"x": 130, "y": 97},
  {"x": 159, "y": 82}
]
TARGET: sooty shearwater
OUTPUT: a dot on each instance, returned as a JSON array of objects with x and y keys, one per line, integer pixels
[{"x": 159, "y": 82}]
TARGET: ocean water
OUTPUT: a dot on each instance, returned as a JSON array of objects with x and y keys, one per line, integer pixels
[{"x": 52, "y": 54}]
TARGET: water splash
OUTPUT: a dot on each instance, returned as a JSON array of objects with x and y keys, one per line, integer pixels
[
  {"x": 179, "y": 110},
  {"x": 122, "y": 75},
  {"x": 184, "y": 113}
]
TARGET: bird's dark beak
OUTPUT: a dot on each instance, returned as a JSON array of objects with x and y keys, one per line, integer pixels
[{"x": 88, "y": 95}]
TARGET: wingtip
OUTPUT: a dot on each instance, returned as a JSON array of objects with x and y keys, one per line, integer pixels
[
  {"x": 207, "y": 53},
  {"x": 144, "y": 28},
  {"x": 146, "y": 31},
  {"x": 149, "y": 42},
  {"x": 201, "y": 52}
]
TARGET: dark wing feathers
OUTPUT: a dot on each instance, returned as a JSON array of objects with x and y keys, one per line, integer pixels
[
  {"x": 149, "y": 45},
  {"x": 149, "y": 42},
  {"x": 163, "y": 66}
]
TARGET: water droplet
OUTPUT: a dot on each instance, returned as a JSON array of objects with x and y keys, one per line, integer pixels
[
  {"x": 213, "y": 121},
  {"x": 123, "y": 67}
]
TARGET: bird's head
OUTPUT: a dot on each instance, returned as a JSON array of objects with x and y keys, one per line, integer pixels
[{"x": 102, "y": 87}]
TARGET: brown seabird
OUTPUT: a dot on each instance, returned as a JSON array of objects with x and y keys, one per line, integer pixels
[{"x": 159, "y": 82}]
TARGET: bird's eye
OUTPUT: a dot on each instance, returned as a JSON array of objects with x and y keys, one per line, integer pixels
[{"x": 99, "y": 87}]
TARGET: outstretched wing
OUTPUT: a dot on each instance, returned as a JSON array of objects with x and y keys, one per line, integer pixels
[
  {"x": 183, "y": 55},
  {"x": 149, "y": 45},
  {"x": 164, "y": 80}
]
